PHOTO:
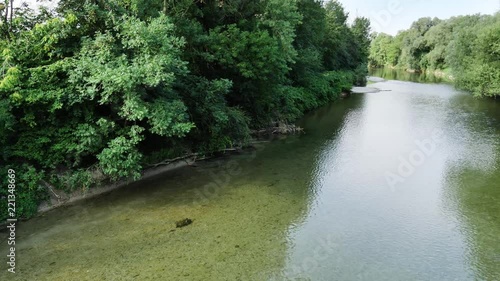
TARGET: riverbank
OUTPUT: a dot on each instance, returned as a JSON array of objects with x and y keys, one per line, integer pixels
[
  {"x": 59, "y": 198},
  {"x": 443, "y": 74},
  {"x": 391, "y": 73},
  {"x": 300, "y": 202},
  {"x": 367, "y": 89}
]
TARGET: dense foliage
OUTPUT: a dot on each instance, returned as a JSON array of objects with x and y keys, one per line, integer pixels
[
  {"x": 97, "y": 90},
  {"x": 467, "y": 47}
]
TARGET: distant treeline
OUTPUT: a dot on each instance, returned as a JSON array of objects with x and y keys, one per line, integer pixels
[
  {"x": 99, "y": 89},
  {"x": 466, "y": 47}
]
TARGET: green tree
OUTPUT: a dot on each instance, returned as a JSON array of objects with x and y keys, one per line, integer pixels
[
  {"x": 97, "y": 90},
  {"x": 466, "y": 45},
  {"x": 474, "y": 56}
]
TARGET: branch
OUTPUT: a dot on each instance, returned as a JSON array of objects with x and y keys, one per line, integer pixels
[
  {"x": 193, "y": 155},
  {"x": 168, "y": 161},
  {"x": 50, "y": 188}
]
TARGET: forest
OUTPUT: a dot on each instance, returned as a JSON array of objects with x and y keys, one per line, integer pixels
[
  {"x": 467, "y": 48},
  {"x": 96, "y": 91}
]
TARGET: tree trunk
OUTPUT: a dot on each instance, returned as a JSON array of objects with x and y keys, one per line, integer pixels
[
  {"x": 5, "y": 19},
  {"x": 11, "y": 13},
  {"x": 6, "y": 15}
]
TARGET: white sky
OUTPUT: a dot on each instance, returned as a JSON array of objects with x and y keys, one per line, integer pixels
[
  {"x": 390, "y": 16},
  {"x": 35, "y": 3}
]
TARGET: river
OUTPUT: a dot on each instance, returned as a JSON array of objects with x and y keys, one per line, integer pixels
[{"x": 403, "y": 184}]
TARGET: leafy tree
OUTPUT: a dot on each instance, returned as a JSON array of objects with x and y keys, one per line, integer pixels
[
  {"x": 466, "y": 46},
  {"x": 474, "y": 56},
  {"x": 361, "y": 35},
  {"x": 96, "y": 89},
  {"x": 337, "y": 54}
]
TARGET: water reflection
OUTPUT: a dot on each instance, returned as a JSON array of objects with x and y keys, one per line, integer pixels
[
  {"x": 414, "y": 232},
  {"x": 473, "y": 182},
  {"x": 395, "y": 74},
  {"x": 313, "y": 207}
]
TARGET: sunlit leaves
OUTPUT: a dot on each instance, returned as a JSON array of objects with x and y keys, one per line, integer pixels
[
  {"x": 139, "y": 56},
  {"x": 11, "y": 79},
  {"x": 120, "y": 69}
]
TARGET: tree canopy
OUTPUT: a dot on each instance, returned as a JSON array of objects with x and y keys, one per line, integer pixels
[
  {"x": 98, "y": 90},
  {"x": 466, "y": 47}
]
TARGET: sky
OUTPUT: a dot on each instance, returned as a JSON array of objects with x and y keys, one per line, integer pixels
[
  {"x": 35, "y": 3},
  {"x": 391, "y": 16}
]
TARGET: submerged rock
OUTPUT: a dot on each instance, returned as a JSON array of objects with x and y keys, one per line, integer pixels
[{"x": 183, "y": 223}]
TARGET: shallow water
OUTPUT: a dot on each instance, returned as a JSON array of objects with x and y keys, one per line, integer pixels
[{"x": 327, "y": 205}]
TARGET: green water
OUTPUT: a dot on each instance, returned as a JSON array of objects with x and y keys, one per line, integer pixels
[{"x": 320, "y": 206}]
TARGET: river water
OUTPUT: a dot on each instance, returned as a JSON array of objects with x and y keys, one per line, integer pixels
[{"x": 403, "y": 184}]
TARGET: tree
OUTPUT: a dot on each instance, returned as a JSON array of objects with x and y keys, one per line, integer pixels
[
  {"x": 466, "y": 46},
  {"x": 361, "y": 35},
  {"x": 97, "y": 90},
  {"x": 337, "y": 54},
  {"x": 474, "y": 55}
]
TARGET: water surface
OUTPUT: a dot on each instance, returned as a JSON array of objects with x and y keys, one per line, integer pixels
[{"x": 327, "y": 205}]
